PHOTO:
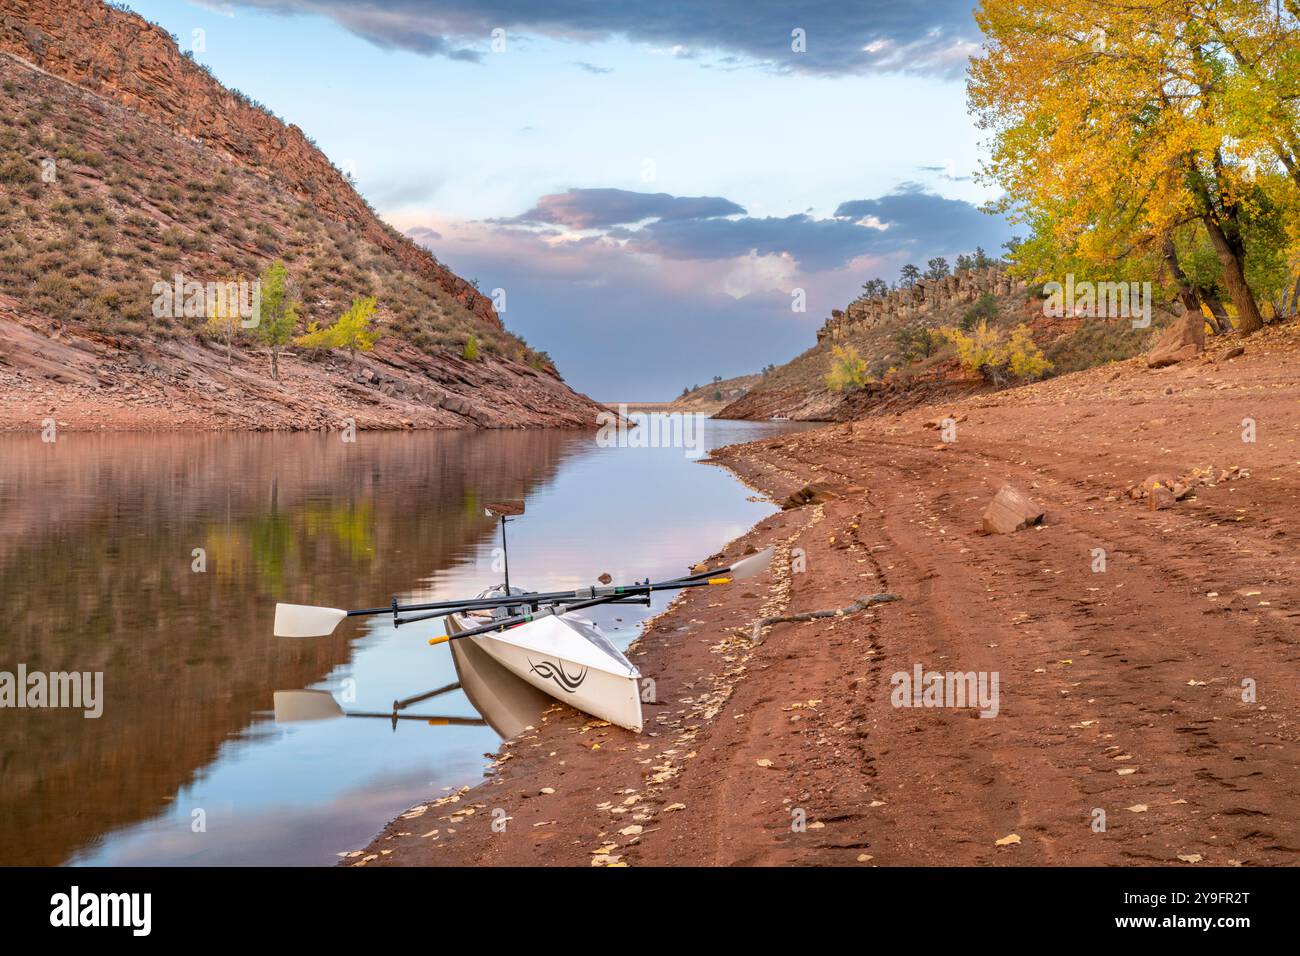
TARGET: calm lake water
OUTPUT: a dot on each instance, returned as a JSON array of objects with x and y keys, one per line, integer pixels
[{"x": 97, "y": 549}]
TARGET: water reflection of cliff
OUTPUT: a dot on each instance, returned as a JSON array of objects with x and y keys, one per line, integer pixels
[{"x": 96, "y": 549}]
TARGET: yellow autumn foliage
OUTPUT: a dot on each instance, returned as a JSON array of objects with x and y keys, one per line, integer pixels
[
  {"x": 848, "y": 370},
  {"x": 996, "y": 356}
]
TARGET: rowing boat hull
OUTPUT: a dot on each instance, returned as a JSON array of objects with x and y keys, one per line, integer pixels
[{"x": 570, "y": 661}]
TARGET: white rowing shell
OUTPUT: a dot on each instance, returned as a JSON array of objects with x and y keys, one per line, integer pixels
[{"x": 570, "y": 659}]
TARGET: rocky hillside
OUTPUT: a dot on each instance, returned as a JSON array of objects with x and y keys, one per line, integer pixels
[
  {"x": 124, "y": 163},
  {"x": 716, "y": 395},
  {"x": 887, "y": 333}
]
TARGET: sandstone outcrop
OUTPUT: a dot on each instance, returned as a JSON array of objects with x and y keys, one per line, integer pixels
[
  {"x": 1183, "y": 340},
  {"x": 928, "y": 295}
]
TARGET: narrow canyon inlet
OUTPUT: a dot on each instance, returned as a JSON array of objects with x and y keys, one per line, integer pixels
[{"x": 158, "y": 559}]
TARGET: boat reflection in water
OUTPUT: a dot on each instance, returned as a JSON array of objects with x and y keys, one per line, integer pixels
[{"x": 506, "y": 704}]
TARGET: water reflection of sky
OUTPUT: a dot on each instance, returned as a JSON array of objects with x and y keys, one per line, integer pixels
[{"x": 299, "y": 794}]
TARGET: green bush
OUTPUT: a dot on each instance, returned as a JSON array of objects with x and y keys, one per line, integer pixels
[
  {"x": 984, "y": 310},
  {"x": 15, "y": 169}
]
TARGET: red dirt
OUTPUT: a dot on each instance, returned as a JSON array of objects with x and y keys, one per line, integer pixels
[
  {"x": 1138, "y": 668},
  {"x": 84, "y": 381}
]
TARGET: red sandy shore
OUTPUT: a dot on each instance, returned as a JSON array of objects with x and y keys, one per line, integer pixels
[
  {"x": 1120, "y": 691},
  {"x": 87, "y": 382}
]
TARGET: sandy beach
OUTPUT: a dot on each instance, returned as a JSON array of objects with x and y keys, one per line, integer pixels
[{"x": 1157, "y": 695}]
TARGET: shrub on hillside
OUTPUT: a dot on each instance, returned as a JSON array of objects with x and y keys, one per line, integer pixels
[
  {"x": 997, "y": 357},
  {"x": 917, "y": 343},
  {"x": 985, "y": 309},
  {"x": 1096, "y": 343},
  {"x": 848, "y": 370}
]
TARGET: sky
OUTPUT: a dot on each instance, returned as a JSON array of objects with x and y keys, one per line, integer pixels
[{"x": 654, "y": 188}]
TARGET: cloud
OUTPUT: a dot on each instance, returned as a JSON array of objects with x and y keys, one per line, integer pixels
[
  {"x": 424, "y": 235},
  {"x": 816, "y": 243},
  {"x": 392, "y": 193},
  {"x": 603, "y": 208},
  {"x": 705, "y": 293},
  {"x": 592, "y": 68},
  {"x": 627, "y": 326},
  {"x": 946, "y": 172},
  {"x": 902, "y": 222},
  {"x": 913, "y": 217},
  {"x": 866, "y": 36}
]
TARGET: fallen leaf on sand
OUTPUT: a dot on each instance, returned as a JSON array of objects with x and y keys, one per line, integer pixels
[
  {"x": 633, "y": 830},
  {"x": 764, "y": 762},
  {"x": 674, "y": 806},
  {"x": 864, "y": 857},
  {"x": 816, "y": 826},
  {"x": 1009, "y": 840},
  {"x": 1137, "y": 808},
  {"x": 1190, "y": 857},
  {"x": 548, "y": 790},
  {"x": 1125, "y": 771}
]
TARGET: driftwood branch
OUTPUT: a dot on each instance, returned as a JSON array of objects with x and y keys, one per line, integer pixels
[{"x": 861, "y": 604}]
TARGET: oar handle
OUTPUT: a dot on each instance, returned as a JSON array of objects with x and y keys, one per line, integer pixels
[
  {"x": 536, "y": 598},
  {"x": 550, "y": 611}
]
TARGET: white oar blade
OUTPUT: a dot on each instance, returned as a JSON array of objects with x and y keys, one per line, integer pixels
[
  {"x": 752, "y": 566},
  {"x": 303, "y": 620},
  {"x": 296, "y": 705}
]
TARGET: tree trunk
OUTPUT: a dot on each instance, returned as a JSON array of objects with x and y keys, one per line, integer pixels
[
  {"x": 1228, "y": 246},
  {"x": 1249, "y": 319},
  {"x": 1295, "y": 298},
  {"x": 1186, "y": 294},
  {"x": 228, "y": 359},
  {"x": 275, "y": 362},
  {"x": 1221, "y": 323}
]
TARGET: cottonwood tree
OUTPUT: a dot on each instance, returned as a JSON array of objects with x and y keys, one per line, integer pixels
[
  {"x": 224, "y": 319},
  {"x": 279, "y": 314},
  {"x": 352, "y": 330},
  {"x": 1116, "y": 125}
]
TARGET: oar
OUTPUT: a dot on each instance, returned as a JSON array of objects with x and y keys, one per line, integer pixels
[
  {"x": 301, "y": 620},
  {"x": 296, "y": 706},
  {"x": 745, "y": 568},
  {"x": 408, "y": 701}
]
